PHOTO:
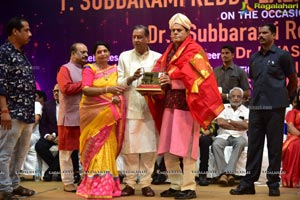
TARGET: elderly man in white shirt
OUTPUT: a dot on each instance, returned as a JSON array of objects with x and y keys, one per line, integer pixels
[{"x": 233, "y": 126}]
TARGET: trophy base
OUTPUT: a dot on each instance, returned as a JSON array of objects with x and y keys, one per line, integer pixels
[{"x": 149, "y": 89}]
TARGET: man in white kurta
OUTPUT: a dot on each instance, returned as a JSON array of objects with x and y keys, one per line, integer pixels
[{"x": 140, "y": 142}]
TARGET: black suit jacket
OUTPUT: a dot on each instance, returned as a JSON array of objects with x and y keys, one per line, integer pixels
[{"x": 48, "y": 122}]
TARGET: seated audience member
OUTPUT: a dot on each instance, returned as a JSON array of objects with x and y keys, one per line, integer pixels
[
  {"x": 204, "y": 142},
  {"x": 40, "y": 96},
  {"x": 48, "y": 135},
  {"x": 233, "y": 125},
  {"x": 30, "y": 165},
  {"x": 291, "y": 148}
]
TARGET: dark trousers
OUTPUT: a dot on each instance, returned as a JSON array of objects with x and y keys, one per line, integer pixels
[
  {"x": 75, "y": 160},
  {"x": 42, "y": 148},
  {"x": 261, "y": 123},
  {"x": 204, "y": 143}
]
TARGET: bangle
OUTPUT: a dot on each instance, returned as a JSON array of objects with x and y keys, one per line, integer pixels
[{"x": 5, "y": 111}]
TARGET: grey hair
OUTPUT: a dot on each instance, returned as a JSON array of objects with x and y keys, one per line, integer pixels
[{"x": 237, "y": 88}]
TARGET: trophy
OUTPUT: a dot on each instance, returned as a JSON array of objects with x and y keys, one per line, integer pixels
[{"x": 150, "y": 84}]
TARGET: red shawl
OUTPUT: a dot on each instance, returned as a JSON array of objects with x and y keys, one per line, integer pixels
[{"x": 190, "y": 65}]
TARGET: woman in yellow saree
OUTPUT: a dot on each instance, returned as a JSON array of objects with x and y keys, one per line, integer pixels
[{"x": 102, "y": 114}]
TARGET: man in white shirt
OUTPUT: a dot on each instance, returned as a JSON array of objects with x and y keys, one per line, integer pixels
[
  {"x": 140, "y": 140},
  {"x": 233, "y": 125}
]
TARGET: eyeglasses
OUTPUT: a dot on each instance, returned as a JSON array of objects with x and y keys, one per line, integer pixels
[{"x": 54, "y": 91}]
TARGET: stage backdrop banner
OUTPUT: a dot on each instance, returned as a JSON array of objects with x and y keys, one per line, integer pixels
[{"x": 56, "y": 24}]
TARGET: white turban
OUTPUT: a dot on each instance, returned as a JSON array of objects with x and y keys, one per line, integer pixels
[{"x": 181, "y": 19}]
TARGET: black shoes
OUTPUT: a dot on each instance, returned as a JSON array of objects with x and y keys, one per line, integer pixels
[
  {"x": 158, "y": 179},
  {"x": 186, "y": 194},
  {"x": 202, "y": 180},
  {"x": 169, "y": 193},
  {"x": 240, "y": 190},
  {"x": 77, "y": 178},
  {"x": 47, "y": 176},
  {"x": 274, "y": 192}
]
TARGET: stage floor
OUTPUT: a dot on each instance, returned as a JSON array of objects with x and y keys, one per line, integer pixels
[{"x": 54, "y": 190}]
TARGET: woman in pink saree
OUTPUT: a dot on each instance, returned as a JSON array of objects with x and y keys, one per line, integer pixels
[
  {"x": 102, "y": 114},
  {"x": 291, "y": 148}
]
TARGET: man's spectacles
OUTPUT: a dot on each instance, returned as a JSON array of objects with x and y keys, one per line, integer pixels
[{"x": 54, "y": 91}]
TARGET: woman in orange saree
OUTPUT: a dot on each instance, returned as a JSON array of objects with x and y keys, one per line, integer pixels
[
  {"x": 102, "y": 114},
  {"x": 291, "y": 148}
]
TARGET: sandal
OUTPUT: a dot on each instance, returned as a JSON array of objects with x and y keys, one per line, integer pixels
[{"x": 23, "y": 191}]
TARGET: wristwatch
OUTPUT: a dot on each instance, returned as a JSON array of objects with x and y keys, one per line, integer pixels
[{"x": 229, "y": 121}]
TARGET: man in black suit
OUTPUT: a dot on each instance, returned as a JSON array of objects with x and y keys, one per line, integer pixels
[{"x": 49, "y": 137}]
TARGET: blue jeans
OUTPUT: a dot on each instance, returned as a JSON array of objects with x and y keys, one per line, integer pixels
[{"x": 14, "y": 145}]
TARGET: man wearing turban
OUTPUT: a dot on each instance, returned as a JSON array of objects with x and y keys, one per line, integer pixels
[
  {"x": 181, "y": 20},
  {"x": 191, "y": 100}
]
